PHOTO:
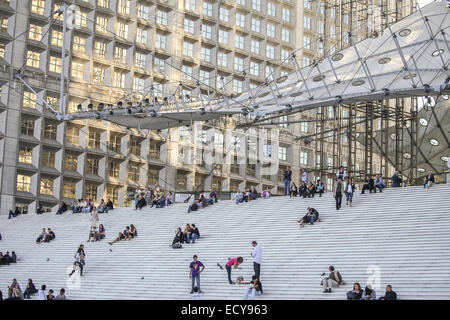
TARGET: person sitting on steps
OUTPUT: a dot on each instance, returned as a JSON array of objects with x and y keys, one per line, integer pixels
[
  {"x": 320, "y": 188},
  {"x": 120, "y": 237},
  {"x": 334, "y": 279},
  {"x": 179, "y": 236},
  {"x": 379, "y": 183},
  {"x": 368, "y": 185},
  {"x": 428, "y": 181},
  {"x": 311, "y": 216}
]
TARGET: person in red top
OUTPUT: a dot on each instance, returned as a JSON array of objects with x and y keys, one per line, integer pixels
[{"x": 234, "y": 262}]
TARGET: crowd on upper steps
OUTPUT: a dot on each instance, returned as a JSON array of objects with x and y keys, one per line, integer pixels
[
  {"x": 154, "y": 197},
  {"x": 203, "y": 201}
]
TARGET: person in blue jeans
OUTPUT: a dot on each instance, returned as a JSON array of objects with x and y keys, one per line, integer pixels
[
  {"x": 255, "y": 289},
  {"x": 195, "y": 234},
  {"x": 287, "y": 181},
  {"x": 379, "y": 183},
  {"x": 195, "y": 268}
]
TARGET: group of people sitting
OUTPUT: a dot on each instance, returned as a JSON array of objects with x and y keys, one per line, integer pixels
[
  {"x": 203, "y": 201},
  {"x": 307, "y": 190},
  {"x": 6, "y": 259},
  {"x": 372, "y": 185},
  {"x": 311, "y": 216},
  {"x": 96, "y": 233},
  {"x": 357, "y": 293},
  {"x": 88, "y": 206},
  {"x": 190, "y": 233},
  {"x": 129, "y": 233},
  {"x": 15, "y": 293},
  {"x": 249, "y": 194},
  {"x": 154, "y": 197},
  {"x": 334, "y": 280},
  {"x": 46, "y": 236}
]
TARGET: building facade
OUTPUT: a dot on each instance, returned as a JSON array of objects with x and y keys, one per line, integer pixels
[{"x": 124, "y": 50}]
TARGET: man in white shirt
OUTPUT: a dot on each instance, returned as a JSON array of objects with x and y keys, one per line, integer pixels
[{"x": 257, "y": 258}]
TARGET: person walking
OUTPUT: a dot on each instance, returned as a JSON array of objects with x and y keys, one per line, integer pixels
[
  {"x": 287, "y": 181},
  {"x": 338, "y": 194},
  {"x": 194, "y": 273},
  {"x": 257, "y": 258},
  {"x": 79, "y": 261},
  {"x": 349, "y": 190}
]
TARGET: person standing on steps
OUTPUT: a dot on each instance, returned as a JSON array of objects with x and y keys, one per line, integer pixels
[
  {"x": 349, "y": 190},
  {"x": 338, "y": 194},
  {"x": 234, "y": 262},
  {"x": 341, "y": 174},
  {"x": 304, "y": 177},
  {"x": 194, "y": 273},
  {"x": 257, "y": 258},
  {"x": 287, "y": 181}
]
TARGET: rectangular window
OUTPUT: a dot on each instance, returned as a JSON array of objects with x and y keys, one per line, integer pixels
[
  {"x": 122, "y": 30},
  {"x": 46, "y": 186},
  {"x": 240, "y": 20},
  {"x": 142, "y": 36},
  {"x": 285, "y": 35},
  {"x": 98, "y": 75},
  {"x": 100, "y": 49},
  {"x": 282, "y": 153},
  {"x": 188, "y": 49},
  {"x": 50, "y": 131},
  {"x": 25, "y": 155},
  {"x": 238, "y": 86},
  {"x": 224, "y": 14},
  {"x": 189, "y": 26},
  {"x": 92, "y": 166},
  {"x": 77, "y": 70},
  {"x": 94, "y": 140},
  {"x": 33, "y": 59},
  {"x": 48, "y": 158},
  {"x": 222, "y": 59},
  {"x": 37, "y": 6},
  {"x": 238, "y": 63},
  {"x": 205, "y": 54},
  {"x": 189, "y": 4},
  {"x": 102, "y": 24},
  {"x": 161, "y": 17},
  {"x": 113, "y": 169},
  {"x": 207, "y": 8},
  {"x": 223, "y": 36},
  {"x": 271, "y": 30},
  {"x": 286, "y": 15},
  {"x": 158, "y": 64},
  {"x": 140, "y": 59},
  {"x": 239, "y": 42},
  {"x": 123, "y": 6},
  {"x": 206, "y": 31},
  {"x": 256, "y": 5},
  {"x": 72, "y": 135},
  {"x": 186, "y": 72},
  {"x": 29, "y": 100},
  {"x": 138, "y": 84},
  {"x": 120, "y": 55},
  {"x": 54, "y": 64},
  {"x": 303, "y": 158},
  {"x": 35, "y": 32},
  {"x": 161, "y": 41},
  {"x": 69, "y": 190},
  {"x": 307, "y": 22},
  {"x": 57, "y": 38},
  {"x": 256, "y": 25},
  {"x": 70, "y": 162},
  {"x": 23, "y": 183},
  {"x": 270, "y": 51},
  {"x": 143, "y": 12},
  {"x": 79, "y": 44},
  {"x": 27, "y": 127},
  {"x": 307, "y": 43},
  {"x": 271, "y": 9},
  {"x": 254, "y": 68},
  {"x": 254, "y": 46}
]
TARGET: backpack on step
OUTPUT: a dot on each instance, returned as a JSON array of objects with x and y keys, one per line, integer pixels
[{"x": 177, "y": 246}]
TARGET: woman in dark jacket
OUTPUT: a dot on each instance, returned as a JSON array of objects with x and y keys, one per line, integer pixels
[
  {"x": 356, "y": 293},
  {"x": 30, "y": 289},
  {"x": 179, "y": 236}
]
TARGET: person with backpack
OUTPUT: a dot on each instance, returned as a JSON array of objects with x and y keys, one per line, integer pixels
[
  {"x": 356, "y": 293},
  {"x": 334, "y": 279},
  {"x": 195, "y": 268}
]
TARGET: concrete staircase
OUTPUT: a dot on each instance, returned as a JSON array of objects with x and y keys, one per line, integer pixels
[{"x": 403, "y": 234}]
